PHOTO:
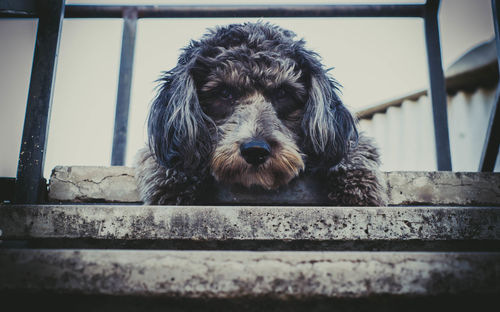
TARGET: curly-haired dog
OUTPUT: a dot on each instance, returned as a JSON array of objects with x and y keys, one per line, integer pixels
[{"x": 249, "y": 104}]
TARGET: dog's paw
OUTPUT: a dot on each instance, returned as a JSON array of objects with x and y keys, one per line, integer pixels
[
  {"x": 159, "y": 185},
  {"x": 358, "y": 187},
  {"x": 176, "y": 189}
]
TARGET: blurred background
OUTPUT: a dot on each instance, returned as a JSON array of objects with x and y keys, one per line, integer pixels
[{"x": 380, "y": 62}]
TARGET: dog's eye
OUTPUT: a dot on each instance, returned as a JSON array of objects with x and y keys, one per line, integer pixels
[
  {"x": 280, "y": 94},
  {"x": 284, "y": 101},
  {"x": 226, "y": 94}
]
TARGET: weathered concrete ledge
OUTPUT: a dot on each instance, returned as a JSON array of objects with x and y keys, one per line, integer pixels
[
  {"x": 91, "y": 184},
  {"x": 232, "y": 274},
  {"x": 240, "y": 223},
  {"x": 116, "y": 184}
]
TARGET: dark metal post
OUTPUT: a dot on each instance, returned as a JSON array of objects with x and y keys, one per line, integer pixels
[
  {"x": 492, "y": 141},
  {"x": 229, "y": 10},
  {"x": 19, "y": 8},
  {"x": 30, "y": 184},
  {"x": 437, "y": 86},
  {"x": 124, "y": 87}
]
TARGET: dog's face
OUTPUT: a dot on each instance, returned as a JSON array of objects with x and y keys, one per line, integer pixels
[
  {"x": 256, "y": 99},
  {"x": 252, "y": 105}
]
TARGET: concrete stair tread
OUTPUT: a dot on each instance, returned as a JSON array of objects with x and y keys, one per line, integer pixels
[
  {"x": 239, "y": 248},
  {"x": 243, "y": 274},
  {"x": 253, "y": 225},
  {"x": 117, "y": 184}
]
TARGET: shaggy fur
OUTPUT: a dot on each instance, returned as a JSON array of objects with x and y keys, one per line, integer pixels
[{"x": 248, "y": 104}]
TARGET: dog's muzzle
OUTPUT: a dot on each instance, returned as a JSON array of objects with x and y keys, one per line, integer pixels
[
  {"x": 255, "y": 152},
  {"x": 255, "y": 148}
]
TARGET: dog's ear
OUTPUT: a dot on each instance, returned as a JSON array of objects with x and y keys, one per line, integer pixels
[
  {"x": 329, "y": 128},
  {"x": 177, "y": 126}
]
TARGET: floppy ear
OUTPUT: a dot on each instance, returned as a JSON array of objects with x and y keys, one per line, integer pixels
[
  {"x": 177, "y": 128},
  {"x": 329, "y": 127}
]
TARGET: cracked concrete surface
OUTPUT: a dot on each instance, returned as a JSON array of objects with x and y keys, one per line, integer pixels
[
  {"x": 117, "y": 184},
  {"x": 94, "y": 184}
]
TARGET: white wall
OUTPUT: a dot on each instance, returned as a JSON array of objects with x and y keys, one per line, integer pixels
[{"x": 17, "y": 39}]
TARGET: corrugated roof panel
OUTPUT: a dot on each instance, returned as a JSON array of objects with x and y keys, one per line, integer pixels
[{"x": 405, "y": 134}]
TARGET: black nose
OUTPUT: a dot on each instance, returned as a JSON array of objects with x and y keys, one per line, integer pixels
[{"x": 255, "y": 152}]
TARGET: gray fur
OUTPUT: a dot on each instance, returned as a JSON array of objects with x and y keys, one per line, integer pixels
[{"x": 246, "y": 82}]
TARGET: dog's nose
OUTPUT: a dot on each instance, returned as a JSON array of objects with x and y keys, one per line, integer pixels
[{"x": 255, "y": 152}]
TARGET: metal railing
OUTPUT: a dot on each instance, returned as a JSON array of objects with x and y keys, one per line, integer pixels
[
  {"x": 30, "y": 184},
  {"x": 492, "y": 140}
]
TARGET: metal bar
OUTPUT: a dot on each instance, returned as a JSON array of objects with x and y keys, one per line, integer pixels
[
  {"x": 492, "y": 140},
  {"x": 17, "y": 8},
  {"x": 197, "y": 11},
  {"x": 124, "y": 87},
  {"x": 437, "y": 86},
  {"x": 30, "y": 184},
  {"x": 7, "y": 189}
]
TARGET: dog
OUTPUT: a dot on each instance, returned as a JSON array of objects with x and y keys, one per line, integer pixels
[{"x": 248, "y": 104}]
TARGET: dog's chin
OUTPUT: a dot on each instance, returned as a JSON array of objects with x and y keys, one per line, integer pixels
[{"x": 277, "y": 171}]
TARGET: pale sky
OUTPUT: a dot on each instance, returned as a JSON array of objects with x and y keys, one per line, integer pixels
[{"x": 374, "y": 59}]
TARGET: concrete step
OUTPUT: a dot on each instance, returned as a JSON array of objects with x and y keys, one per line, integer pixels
[
  {"x": 253, "y": 227},
  {"x": 243, "y": 274},
  {"x": 117, "y": 184},
  {"x": 254, "y": 257}
]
